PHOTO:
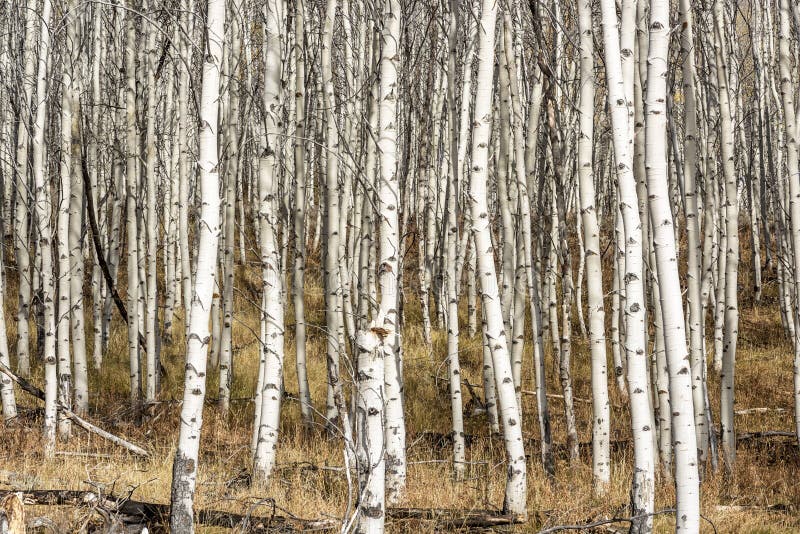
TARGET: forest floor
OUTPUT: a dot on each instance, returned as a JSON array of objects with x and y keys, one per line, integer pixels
[{"x": 764, "y": 495}]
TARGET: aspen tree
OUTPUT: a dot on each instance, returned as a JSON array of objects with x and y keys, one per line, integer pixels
[
  {"x": 184, "y": 467},
  {"x": 694, "y": 303},
  {"x": 371, "y": 359},
  {"x": 515, "y": 493},
  {"x": 272, "y": 278},
  {"x": 66, "y": 273},
  {"x": 7, "y": 399},
  {"x": 22, "y": 243},
  {"x": 687, "y": 488},
  {"x": 731, "y": 249},
  {"x": 601, "y": 416},
  {"x": 793, "y": 168},
  {"x": 131, "y": 190},
  {"x": 76, "y": 260},
  {"x": 525, "y": 184},
  {"x": 336, "y": 401},
  {"x": 151, "y": 222},
  {"x": 43, "y": 204},
  {"x": 183, "y": 165},
  {"x": 231, "y": 134},
  {"x": 300, "y": 214},
  {"x": 642, "y": 491},
  {"x": 389, "y": 203},
  {"x": 452, "y": 283}
]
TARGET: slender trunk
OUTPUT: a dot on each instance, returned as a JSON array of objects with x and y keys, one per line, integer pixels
[
  {"x": 687, "y": 485},
  {"x": 184, "y": 467},
  {"x": 793, "y": 167},
  {"x": 22, "y": 244},
  {"x": 642, "y": 491},
  {"x": 515, "y": 494},
  {"x": 732, "y": 247},
  {"x": 693, "y": 278},
  {"x": 43, "y": 204},
  {"x": 601, "y": 416},
  {"x": 131, "y": 192}
]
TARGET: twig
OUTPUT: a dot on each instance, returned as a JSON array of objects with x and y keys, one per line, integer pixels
[
  {"x": 79, "y": 453},
  {"x": 750, "y": 411},
  {"x": 98, "y": 247},
  {"x": 139, "y": 512},
  {"x": 765, "y": 434},
  {"x": 631, "y": 519},
  {"x": 84, "y": 424}
]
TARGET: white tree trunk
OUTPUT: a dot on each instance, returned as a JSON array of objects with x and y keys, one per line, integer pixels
[
  {"x": 184, "y": 467},
  {"x": 642, "y": 491},
  {"x": 731, "y": 249},
  {"x": 601, "y": 413},
  {"x": 687, "y": 485},
  {"x": 43, "y": 210},
  {"x": 300, "y": 214},
  {"x": 272, "y": 276},
  {"x": 131, "y": 192},
  {"x": 515, "y": 493},
  {"x": 62, "y": 238},
  {"x": 696, "y": 315},
  {"x": 389, "y": 251},
  {"x": 23, "y": 207},
  {"x": 793, "y": 167},
  {"x": 151, "y": 220}
]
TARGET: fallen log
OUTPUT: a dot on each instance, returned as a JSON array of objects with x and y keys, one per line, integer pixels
[
  {"x": 751, "y": 411},
  {"x": 745, "y": 436},
  {"x": 84, "y": 424},
  {"x": 453, "y": 518},
  {"x": 133, "y": 512}
]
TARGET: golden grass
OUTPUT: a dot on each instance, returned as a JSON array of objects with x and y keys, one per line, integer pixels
[{"x": 765, "y": 472}]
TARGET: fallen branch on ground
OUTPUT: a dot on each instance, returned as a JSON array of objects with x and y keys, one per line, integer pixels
[
  {"x": 453, "y": 518},
  {"x": 602, "y": 522},
  {"x": 750, "y": 411},
  {"x": 84, "y": 424},
  {"x": 744, "y": 436},
  {"x": 143, "y": 513}
]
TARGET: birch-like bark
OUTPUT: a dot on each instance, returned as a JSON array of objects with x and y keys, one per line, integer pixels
[
  {"x": 642, "y": 491},
  {"x": 23, "y": 198},
  {"x": 687, "y": 486},
  {"x": 731, "y": 249},
  {"x": 272, "y": 277},
  {"x": 389, "y": 199},
  {"x": 43, "y": 204},
  {"x": 793, "y": 168},
  {"x": 298, "y": 287},
  {"x": 76, "y": 258},
  {"x": 7, "y": 398},
  {"x": 183, "y": 169},
  {"x": 151, "y": 222},
  {"x": 693, "y": 252},
  {"x": 231, "y": 133},
  {"x": 336, "y": 401},
  {"x": 515, "y": 493},
  {"x": 451, "y": 282},
  {"x": 184, "y": 467},
  {"x": 601, "y": 413},
  {"x": 62, "y": 250},
  {"x": 75, "y": 240},
  {"x": 131, "y": 192}
]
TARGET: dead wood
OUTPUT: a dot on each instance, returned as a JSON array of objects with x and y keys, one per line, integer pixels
[
  {"x": 84, "y": 424},
  {"x": 132, "y": 512}
]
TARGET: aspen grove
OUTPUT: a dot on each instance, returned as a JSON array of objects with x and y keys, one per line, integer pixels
[{"x": 400, "y": 265}]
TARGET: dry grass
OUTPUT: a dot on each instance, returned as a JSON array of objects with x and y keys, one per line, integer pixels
[{"x": 765, "y": 472}]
